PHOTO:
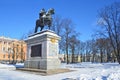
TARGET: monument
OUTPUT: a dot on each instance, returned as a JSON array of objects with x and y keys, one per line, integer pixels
[{"x": 43, "y": 47}]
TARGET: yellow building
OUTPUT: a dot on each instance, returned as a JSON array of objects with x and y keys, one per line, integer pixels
[{"x": 12, "y": 50}]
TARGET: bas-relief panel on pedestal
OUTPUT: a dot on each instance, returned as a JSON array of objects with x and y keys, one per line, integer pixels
[{"x": 36, "y": 50}]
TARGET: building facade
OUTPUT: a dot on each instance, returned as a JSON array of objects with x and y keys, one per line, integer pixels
[{"x": 12, "y": 50}]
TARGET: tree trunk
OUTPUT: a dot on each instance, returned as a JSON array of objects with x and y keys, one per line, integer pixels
[
  {"x": 72, "y": 55},
  {"x": 101, "y": 56},
  {"x": 67, "y": 54}
]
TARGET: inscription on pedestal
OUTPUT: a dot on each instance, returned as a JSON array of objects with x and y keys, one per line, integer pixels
[{"x": 36, "y": 50}]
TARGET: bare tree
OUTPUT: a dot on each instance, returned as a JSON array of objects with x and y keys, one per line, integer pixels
[
  {"x": 58, "y": 25},
  {"x": 108, "y": 49},
  {"x": 73, "y": 44},
  {"x": 25, "y": 36},
  {"x": 94, "y": 50},
  {"x": 68, "y": 30},
  {"x": 82, "y": 50},
  {"x": 100, "y": 44},
  {"x": 109, "y": 17},
  {"x": 88, "y": 49}
]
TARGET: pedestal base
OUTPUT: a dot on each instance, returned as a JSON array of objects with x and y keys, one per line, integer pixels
[
  {"x": 44, "y": 64},
  {"x": 45, "y": 72}
]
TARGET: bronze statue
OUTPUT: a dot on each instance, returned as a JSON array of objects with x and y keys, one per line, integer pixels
[{"x": 45, "y": 19}]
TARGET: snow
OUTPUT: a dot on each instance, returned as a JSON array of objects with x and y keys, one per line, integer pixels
[
  {"x": 81, "y": 71},
  {"x": 10, "y": 67}
]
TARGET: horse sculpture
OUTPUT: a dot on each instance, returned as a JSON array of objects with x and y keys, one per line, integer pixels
[{"x": 45, "y": 19}]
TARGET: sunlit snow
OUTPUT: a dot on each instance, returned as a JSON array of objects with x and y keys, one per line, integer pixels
[{"x": 82, "y": 71}]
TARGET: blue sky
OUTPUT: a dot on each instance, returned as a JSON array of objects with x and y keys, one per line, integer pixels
[{"x": 17, "y": 17}]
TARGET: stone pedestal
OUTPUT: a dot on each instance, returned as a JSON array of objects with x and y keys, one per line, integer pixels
[{"x": 42, "y": 51}]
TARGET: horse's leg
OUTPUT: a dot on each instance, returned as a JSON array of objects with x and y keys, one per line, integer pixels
[
  {"x": 41, "y": 28},
  {"x": 36, "y": 27},
  {"x": 49, "y": 27}
]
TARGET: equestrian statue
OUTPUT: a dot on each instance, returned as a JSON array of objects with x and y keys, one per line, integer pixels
[{"x": 45, "y": 19}]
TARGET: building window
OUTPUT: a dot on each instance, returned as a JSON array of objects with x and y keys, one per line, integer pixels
[
  {"x": 8, "y": 49},
  {"x": 4, "y": 56},
  {"x": 3, "y": 48},
  {"x": 9, "y": 56},
  {"x": 4, "y": 42}
]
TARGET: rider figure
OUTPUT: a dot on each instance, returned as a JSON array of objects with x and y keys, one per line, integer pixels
[{"x": 42, "y": 13}]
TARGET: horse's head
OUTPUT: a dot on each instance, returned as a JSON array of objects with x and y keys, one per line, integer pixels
[{"x": 51, "y": 11}]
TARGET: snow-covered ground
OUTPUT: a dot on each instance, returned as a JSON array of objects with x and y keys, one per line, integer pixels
[{"x": 82, "y": 71}]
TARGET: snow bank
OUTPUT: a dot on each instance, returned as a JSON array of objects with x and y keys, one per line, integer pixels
[
  {"x": 19, "y": 65},
  {"x": 11, "y": 66},
  {"x": 84, "y": 65},
  {"x": 5, "y": 66}
]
